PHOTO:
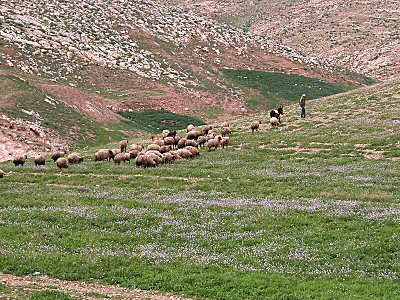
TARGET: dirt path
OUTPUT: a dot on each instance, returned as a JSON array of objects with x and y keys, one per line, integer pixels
[{"x": 18, "y": 287}]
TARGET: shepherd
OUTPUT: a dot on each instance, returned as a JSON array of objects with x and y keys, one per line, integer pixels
[{"x": 302, "y": 103}]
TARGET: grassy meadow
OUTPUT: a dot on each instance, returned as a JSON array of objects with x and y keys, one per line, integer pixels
[{"x": 308, "y": 210}]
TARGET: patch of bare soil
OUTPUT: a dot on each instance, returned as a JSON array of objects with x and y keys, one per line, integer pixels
[
  {"x": 28, "y": 284},
  {"x": 94, "y": 107}
]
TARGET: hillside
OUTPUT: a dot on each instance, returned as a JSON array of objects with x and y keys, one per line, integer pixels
[
  {"x": 363, "y": 36},
  {"x": 306, "y": 210},
  {"x": 91, "y": 60}
]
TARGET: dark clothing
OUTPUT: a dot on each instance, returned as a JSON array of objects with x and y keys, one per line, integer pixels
[{"x": 302, "y": 103}]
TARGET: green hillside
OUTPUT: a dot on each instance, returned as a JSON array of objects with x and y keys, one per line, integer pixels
[
  {"x": 308, "y": 210},
  {"x": 279, "y": 88}
]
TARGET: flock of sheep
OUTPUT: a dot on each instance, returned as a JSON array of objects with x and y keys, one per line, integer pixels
[{"x": 164, "y": 149}]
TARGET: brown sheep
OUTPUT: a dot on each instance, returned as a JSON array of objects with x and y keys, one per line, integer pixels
[
  {"x": 193, "y": 150},
  {"x": 19, "y": 160},
  {"x": 193, "y": 135},
  {"x": 122, "y": 157},
  {"x": 225, "y": 124},
  {"x": 2, "y": 173},
  {"x": 134, "y": 153},
  {"x": 62, "y": 163},
  {"x": 40, "y": 160},
  {"x": 169, "y": 141},
  {"x": 202, "y": 140},
  {"x": 192, "y": 143},
  {"x": 181, "y": 143},
  {"x": 123, "y": 145},
  {"x": 168, "y": 157},
  {"x": 57, "y": 154},
  {"x": 214, "y": 143},
  {"x": 139, "y": 147},
  {"x": 154, "y": 147},
  {"x": 225, "y": 131},
  {"x": 143, "y": 160},
  {"x": 165, "y": 149},
  {"x": 206, "y": 129},
  {"x": 190, "y": 127},
  {"x": 184, "y": 153},
  {"x": 102, "y": 155},
  {"x": 75, "y": 158},
  {"x": 254, "y": 126},
  {"x": 113, "y": 153},
  {"x": 225, "y": 142}
]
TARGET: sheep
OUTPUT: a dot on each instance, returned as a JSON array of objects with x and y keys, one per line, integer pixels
[
  {"x": 19, "y": 160},
  {"x": 157, "y": 157},
  {"x": 102, "y": 155},
  {"x": 193, "y": 135},
  {"x": 113, "y": 153},
  {"x": 139, "y": 147},
  {"x": 225, "y": 124},
  {"x": 40, "y": 160},
  {"x": 184, "y": 153},
  {"x": 166, "y": 132},
  {"x": 122, "y": 157},
  {"x": 134, "y": 153},
  {"x": 181, "y": 143},
  {"x": 206, "y": 129},
  {"x": 165, "y": 149},
  {"x": 276, "y": 113},
  {"x": 191, "y": 143},
  {"x": 168, "y": 157},
  {"x": 62, "y": 163},
  {"x": 190, "y": 127},
  {"x": 255, "y": 126},
  {"x": 57, "y": 154},
  {"x": 169, "y": 141},
  {"x": 2, "y": 173},
  {"x": 176, "y": 155},
  {"x": 193, "y": 150},
  {"x": 225, "y": 142},
  {"x": 177, "y": 139},
  {"x": 75, "y": 158},
  {"x": 214, "y": 143},
  {"x": 202, "y": 140},
  {"x": 172, "y": 133},
  {"x": 123, "y": 145},
  {"x": 144, "y": 160},
  {"x": 274, "y": 122},
  {"x": 225, "y": 131},
  {"x": 154, "y": 147}
]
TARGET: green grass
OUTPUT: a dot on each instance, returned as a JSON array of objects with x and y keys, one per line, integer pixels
[
  {"x": 50, "y": 295},
  {"x": 281, "y": 88},
  {"x": 152, "y": 120},
  {"x": 301, "y": 211}
]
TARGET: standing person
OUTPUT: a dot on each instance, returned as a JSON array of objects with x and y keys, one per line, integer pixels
[{"x": 302, "y": 103}]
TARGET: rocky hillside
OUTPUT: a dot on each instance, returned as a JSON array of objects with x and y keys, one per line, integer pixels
[
  {"x": 363, "y": 36},
  {"x": 93, "y": 59}
]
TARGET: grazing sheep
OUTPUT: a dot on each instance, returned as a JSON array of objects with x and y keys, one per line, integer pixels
[
  {"x": 165, "y": 132},
  {"x": 19, "y": 160},
  {"x": 190, "y": 127},
  {"x": 57, "y": 154},
  {"x": 172, "y": 133},
  {"x": 195, "y": 152},
  {"x": 157, "y": 157},
  {"x": 202, "y": 140},
  {"x": 134, "y": 153},
  {"x": 176, "y": 155},
  {"x": 165, "y": 149},
  {"x": 159, "y": 142},
  {"x": 62, "y": 163},
  {"x": 206, "y": 129},
  {"x": 181, "y": 143},
  {"x": 168, "y": 157},
  {"x": 139, "y": 147},
  {"x": 192, "y": 143},
  {"x": 225, "y": 141},
  {"x": 184, "y": 153},
  {"x": 2, "y": 173},
  {"x": 274, "y": 122},
  {"x": 214, "y": 143},
  {"x": 177, "y": 139},
  {"x": 169, "y": 141},
  {"x": 225, "y": 131},
  {"x": 225, "y": 124},
  {"x": 255, "y": 126},
  {"x": 123, "y": 145},
  {"x": 276, "y": 113},
  {"x": 75, "y": 158},
  {"x": 102, "y": 155},
  {"x": 113, "y": 153},
  {"x": 40, "y": 160},
  {"x": 193, "y": 135},
  {"x": 153, "y": 147},
  {"x": 144, "y": 160},
  {"x": 122, "y": 157}
]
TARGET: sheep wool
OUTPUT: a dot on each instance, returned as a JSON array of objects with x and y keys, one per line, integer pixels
[
  {"x": 40, "y": 160},
  {"x": 62, "y": 163}
]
